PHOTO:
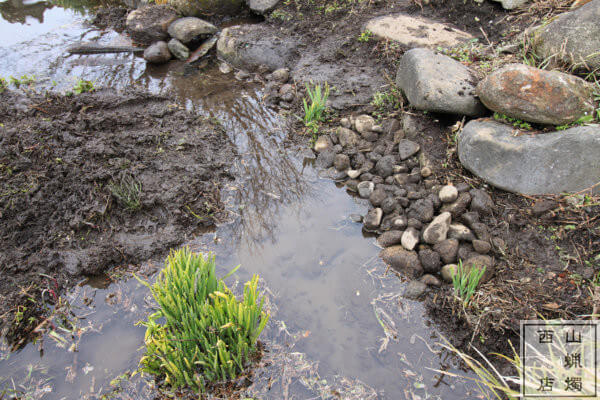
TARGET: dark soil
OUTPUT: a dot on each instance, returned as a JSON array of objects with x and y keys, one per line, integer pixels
[{"x": 63, "y": 161}]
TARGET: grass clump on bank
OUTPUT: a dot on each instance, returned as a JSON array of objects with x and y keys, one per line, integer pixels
[
  {"x": 465, "y": 281},
  {"x": 315, "y": 112},
  {"x": 201, "y": 333}
]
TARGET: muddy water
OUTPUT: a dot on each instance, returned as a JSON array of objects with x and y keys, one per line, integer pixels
[{"x": 330, "y": 295}]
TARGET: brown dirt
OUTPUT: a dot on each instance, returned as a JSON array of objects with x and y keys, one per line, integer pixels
[{"x": 59, "y": 217}]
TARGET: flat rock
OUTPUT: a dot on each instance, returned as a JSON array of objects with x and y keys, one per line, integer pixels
[
  {"x": 535, "y": 95},
  {"x": 178, "y": 49},
  {"x": 438, "y": 83},
  {"x": 264, "y": 7},
  {"x": 189, "y": 28},
  {"x": 531, "y": 164},
  {"x": 157, "y": 53},
  {"x": 402, "y": 260},
  {"x": 437, "y": 230},
  {"x": 416, "y": 31},
  {"x": 149, "y": 24},
  {"x": 250, "y": 46},
  {"x": 573, "y": 37}
]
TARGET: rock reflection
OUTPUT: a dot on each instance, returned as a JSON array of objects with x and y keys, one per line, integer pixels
[{"x": 17, "y": 11}]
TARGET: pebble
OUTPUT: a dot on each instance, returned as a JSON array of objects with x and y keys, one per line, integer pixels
[
  {"x": 364, "y": 124},
  {"x": 400, "y": 222},
  {"x": 481, "y": 246},
  {"x": 407, "y": 148},
  {"x": 373, "y": 219},
  {"x": 157, "y": 53},
  {"x": 430, "y": 280},
  {"x": 430, "y": 260},
  {"x": 437, "y": 230},
  {"x": 481, "y": 202},
  {"x": 410, "y": 238},
  {"x": 377, "y": 197},
  {"x": 460, "y": 232},
  {"x": 390, "y": 238},
  {"x": 322, "y": 143},
  {"x": 225, "y": 68},
  {"x": 341, "y": 162},
  {"x": 281, "y": 75},
  {"x": 448, "y": 194},
  {"x": 365, "y": 189},
  {"x": 447, "y": 249},
  {"x": 448, "y": 271},
  {"x": 353, "y": 173}
]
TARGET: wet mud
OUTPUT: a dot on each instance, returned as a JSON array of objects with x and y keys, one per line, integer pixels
[{"x": 99, "y": 179}]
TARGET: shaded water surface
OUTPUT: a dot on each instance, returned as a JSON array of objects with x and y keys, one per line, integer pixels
[{"x": 328, "y": 292}]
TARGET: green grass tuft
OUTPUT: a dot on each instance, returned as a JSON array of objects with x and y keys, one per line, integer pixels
[
  {"x": 465, "y": 281},
  {"x": 201, "y": 333}
]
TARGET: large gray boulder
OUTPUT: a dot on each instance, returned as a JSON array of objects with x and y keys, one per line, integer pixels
[
  {"x": 149, "y": 24},
  {"x": 262, "y": 7},
  {"x": 249, "y": 46},
  {"x": 435, "y": 82},
  {"x": 555, "y": 162},
  {"x": 535, "y": 95},
  {"x": 189, "y": 28},
  {"x": 573, "y": 37},
  {"x": 199, "y": 8}
]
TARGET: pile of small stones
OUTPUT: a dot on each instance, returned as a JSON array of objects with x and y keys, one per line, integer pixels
[{"x": 424, "y": 227}]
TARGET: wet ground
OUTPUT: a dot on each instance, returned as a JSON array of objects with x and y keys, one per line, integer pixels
[{"x": 335, "y": 310}]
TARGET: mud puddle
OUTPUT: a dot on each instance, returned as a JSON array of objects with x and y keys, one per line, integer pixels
[{"x": 339, "y": 323}]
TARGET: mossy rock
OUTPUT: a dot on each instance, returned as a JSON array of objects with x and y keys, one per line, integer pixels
[{"x": 199, "y": 8}]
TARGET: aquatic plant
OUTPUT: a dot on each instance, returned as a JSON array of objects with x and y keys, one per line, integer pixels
[
  {"x": 465, "y": 281},
  {"x": 318, "y": 104},
  {"x": 201, "y": 333}
]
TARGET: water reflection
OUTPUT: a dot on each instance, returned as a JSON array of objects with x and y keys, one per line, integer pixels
[{"x": 17, "y": 11}]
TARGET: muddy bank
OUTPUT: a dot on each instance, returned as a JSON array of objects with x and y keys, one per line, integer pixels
[{"x": 99, "y": 179}]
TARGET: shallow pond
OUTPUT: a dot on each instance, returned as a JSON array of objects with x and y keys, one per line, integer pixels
[{"x": 339, "y": 324}]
